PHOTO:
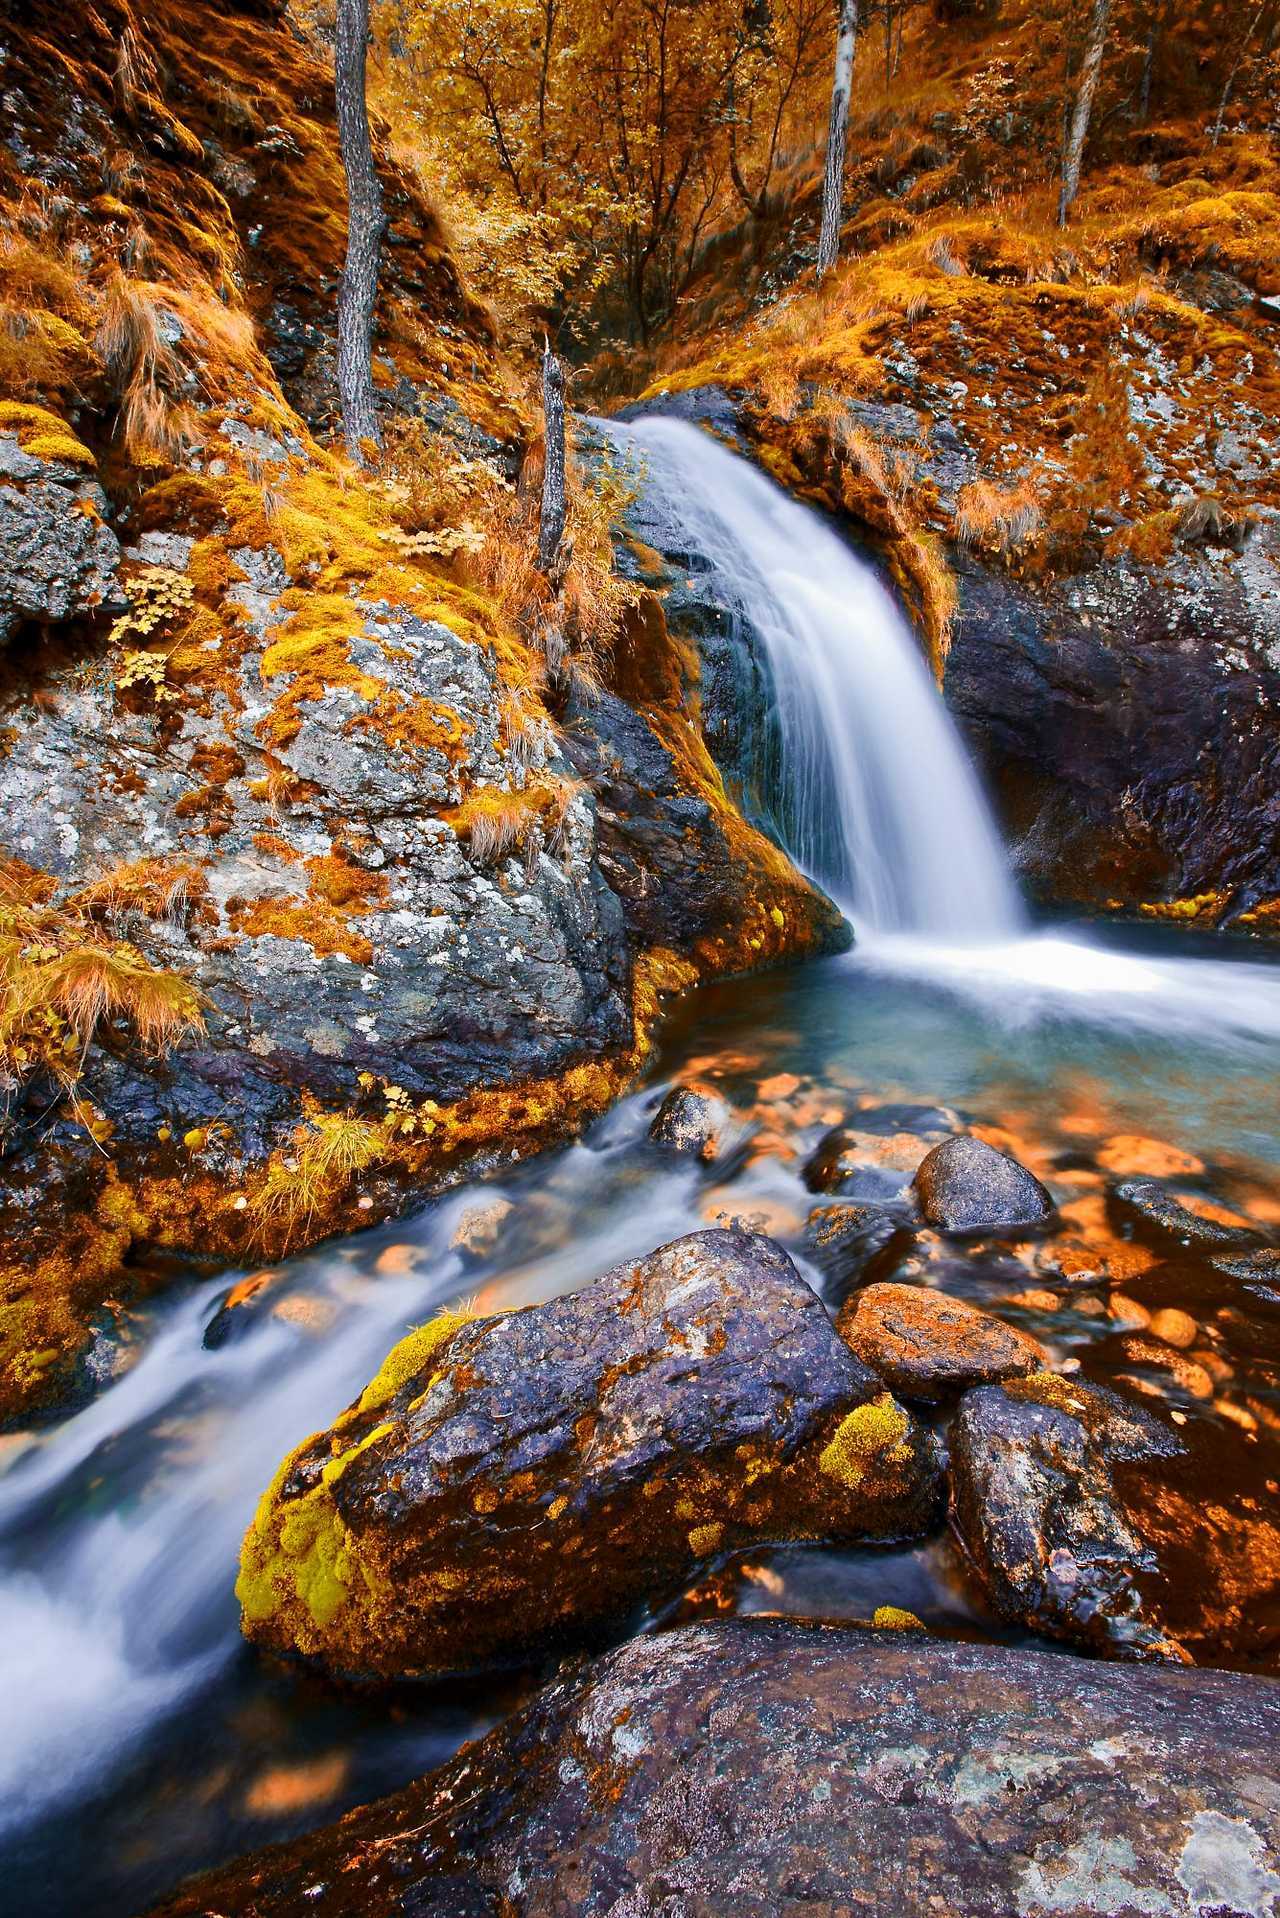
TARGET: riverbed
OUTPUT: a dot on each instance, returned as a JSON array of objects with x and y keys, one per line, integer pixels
[{"x": 144, "y": 1742}]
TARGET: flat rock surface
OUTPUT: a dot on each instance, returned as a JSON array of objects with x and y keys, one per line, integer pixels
[
  {"x": 965, "y": 1185},
  {"x": 926, "y": 1345},
  {"x": 764, "y": 1768},
  {"x": 512, "y": 1481},
  {"x": 1153, "y": 1206}
]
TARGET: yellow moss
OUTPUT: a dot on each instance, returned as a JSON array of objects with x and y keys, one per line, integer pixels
[
  {"x": 892, "y": 1618},
  {"x": 705, "y": 1539},
  {"x": 867, "y": 1439},
  {"x": 1204, "y": 906},
  {"x": 411, "y": 1356},
  {"x": 43, "y": 434}
]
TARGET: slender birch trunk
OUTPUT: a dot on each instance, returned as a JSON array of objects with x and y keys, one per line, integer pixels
[
  {"x": 833, "y": 179},
  {"x": 1077, "y": 127},
  {"x": 552, "y": 518},
  {"x": 366, "y": 223}
]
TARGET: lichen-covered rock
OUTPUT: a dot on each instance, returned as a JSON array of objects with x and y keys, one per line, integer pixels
[
  {"x": 850, "y": 1240},
  {"x": 927, "y": 1346},
  {"x": 965, "y": 1185},
  {"x": 692, "y": 1119},
  {"x": 766, "y": 1768},
  {"x": 58, "y": 557},
  {"x": 509, "y": 1482},
  {"x": 1038, "y": 1509},
  {"x": 1152, "y": 1206}
]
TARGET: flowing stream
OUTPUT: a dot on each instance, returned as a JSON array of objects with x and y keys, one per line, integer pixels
[{"x": 141, "y": 1740}]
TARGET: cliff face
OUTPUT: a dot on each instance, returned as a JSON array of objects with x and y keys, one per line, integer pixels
[{"x": 286, "y": 778}]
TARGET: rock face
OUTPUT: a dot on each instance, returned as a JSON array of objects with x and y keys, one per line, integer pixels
[
  {"x": 1038, "y": 1509},
  {"x": 509, "y": 1482},
  {"x": 964, "y": 1185},
  {"x": 769, "y": 1769},
  {"x": 1125, "y": 719},
  {"x": 691, "y": 1119},
  {"x": 58, "y": 557},
  {"x": 925, "y": 1345}
]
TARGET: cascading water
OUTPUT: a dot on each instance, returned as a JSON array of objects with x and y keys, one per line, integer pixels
[{"x": 875, "y": 797}]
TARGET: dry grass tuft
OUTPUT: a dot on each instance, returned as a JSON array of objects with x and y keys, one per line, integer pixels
[
  {"x": 90, "y": 983},
  {"x": 998, "y": 519},
  {"x": 301, "y": 1183}
]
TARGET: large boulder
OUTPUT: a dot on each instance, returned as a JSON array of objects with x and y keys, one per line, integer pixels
[
  {"x": 965, "y": 1185},
  {"x": 927, "y": 1346},
  {"x": 772, "y": 1769},
  {"x": 508, "y": 1482}
]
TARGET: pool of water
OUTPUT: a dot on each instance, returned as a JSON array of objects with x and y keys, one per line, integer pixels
[{"x": 142, "y": 1740}]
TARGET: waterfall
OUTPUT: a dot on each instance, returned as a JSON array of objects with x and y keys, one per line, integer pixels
[{"x": 876, "y": 798}]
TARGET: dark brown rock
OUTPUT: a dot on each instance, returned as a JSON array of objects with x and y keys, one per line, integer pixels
[
  {"x": 1161, "y": 1213},
  {"x": 1038, "y": 1510},
  {"x": 772, "y": 1769},
  {"x": 927, "y": 1346},
  {"x": 692, "y": 1119},
  {"x": 510, "y": 1482},
  {"x": 965, "y": 1185}
]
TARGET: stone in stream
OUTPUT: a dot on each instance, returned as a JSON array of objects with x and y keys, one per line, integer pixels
[
  {"x": 850, "y": 1240},
  {"x": 513, "y": 1482},
  {"x": 692, "y": 1119},
  {"x": 1035, "y": 1502},
  {"x": 769, "y": 1768},
  {"x": 965, "y": 1185},
  {"x": 927, "y": 1346},
  {"x": 1153, "y": 1206}
]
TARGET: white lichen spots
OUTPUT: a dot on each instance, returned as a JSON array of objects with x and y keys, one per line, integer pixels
[
  {"x": 981, "y": 1776},
  {"x": 1223, "y": 1868},
  {"x": 1099, "y": 1874}
]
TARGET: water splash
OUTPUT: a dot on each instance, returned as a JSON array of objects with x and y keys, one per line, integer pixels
[{"x": 875, "y": 796}]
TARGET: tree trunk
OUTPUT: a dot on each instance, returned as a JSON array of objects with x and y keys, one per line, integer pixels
[
  {"x": 551, "y": 521},
  {"x": 833, "y": 179},
  {"x": 1077, "y": 128},
  {"x": 366, "y": 223}
]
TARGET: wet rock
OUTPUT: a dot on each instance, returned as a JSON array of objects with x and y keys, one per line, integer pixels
[
  {"x": 239, "y": 1310},
  {"x": 57, "y": 557},
  {"x": 847, "y": 1158},
  {"x": 850, "y": 1241},
  {"x": 722, "y": 1769},
  {"x": 1260, "y": 1272},
  {"x": 692, "y": 1119},
  {"x": 964, "y": 1185},
  {"x": 1153, "y": 1206},
  {"x": 925, "y": 1345},
  {"x": 509, "y": 1482},
  {"x": 1038, "y": 1510}
]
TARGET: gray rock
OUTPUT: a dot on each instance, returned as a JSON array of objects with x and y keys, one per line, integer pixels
[
  {"x": 1152, "y": 1205},
  {"x": 767, "y": 1768},
  {"x": 530, "y": 1478},
  {"x": 965, "y": 1185},
  {"x": 927, "y": 1346},
  {"x": 1036, "y": 1505},
  {"x": 56, "y": 560},
  {"x": 692, "y": 1119}
]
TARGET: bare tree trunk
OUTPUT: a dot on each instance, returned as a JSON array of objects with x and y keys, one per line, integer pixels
[
  {"x": 551, "y": 522},
  {"x": 833, "y": 179},
  {"x": 1236, "y": 65},
  {"x": 366, "y": 224},
  {"x": 1077, "y": 128}
]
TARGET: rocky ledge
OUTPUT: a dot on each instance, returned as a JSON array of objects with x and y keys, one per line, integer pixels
[{"x": 770, "y": 1768}]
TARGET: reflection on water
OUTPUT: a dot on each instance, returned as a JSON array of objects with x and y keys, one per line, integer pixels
[{"x": 142, "y": 1741}]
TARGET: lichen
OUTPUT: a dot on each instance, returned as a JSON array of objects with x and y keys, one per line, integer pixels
[{"x": 411, "y": 1356}]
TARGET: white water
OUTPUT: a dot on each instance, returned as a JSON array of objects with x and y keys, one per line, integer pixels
[{"x": 879, "y": 801}]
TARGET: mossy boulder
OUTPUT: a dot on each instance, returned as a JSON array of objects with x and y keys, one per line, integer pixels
[
  {"x": 512, "y": 1482},
  {"x": 768, "y": 1768},
  {"x": 928, "y": 1346}
]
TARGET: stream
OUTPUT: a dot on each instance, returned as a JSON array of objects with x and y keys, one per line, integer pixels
[{"x": 143, "y": 1741}]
